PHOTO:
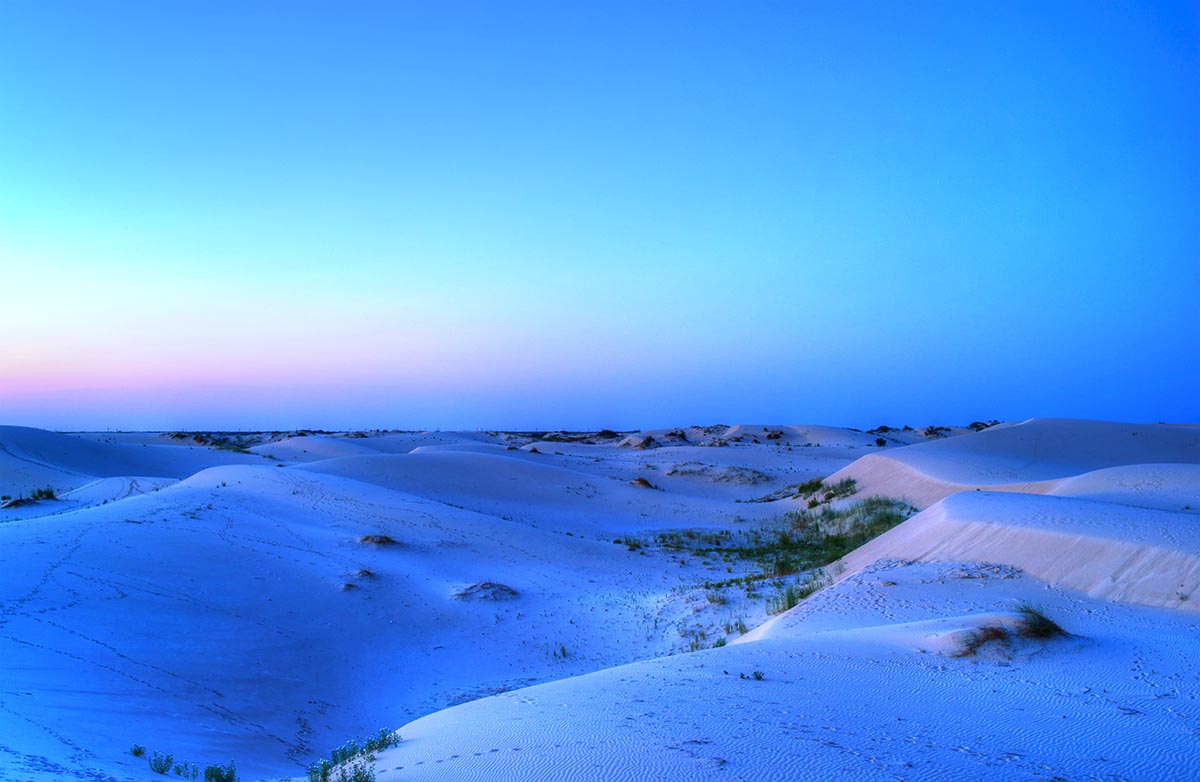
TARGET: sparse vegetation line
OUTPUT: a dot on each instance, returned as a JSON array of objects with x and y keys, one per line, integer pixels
[{"x": 797, "y": 541}]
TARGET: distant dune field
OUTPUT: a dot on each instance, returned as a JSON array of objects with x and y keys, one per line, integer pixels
[{"x": 698, "y": 603}]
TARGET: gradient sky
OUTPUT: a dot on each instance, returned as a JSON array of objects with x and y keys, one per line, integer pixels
[{"x": 576, "y": 215}]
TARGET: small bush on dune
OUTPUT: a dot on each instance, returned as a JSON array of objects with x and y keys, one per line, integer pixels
[
  {"x": 787, "y": 599},
  {"x": 220, "y": 773},
  {"x": 1035, "y": 624},
  {"x": 843, "y": 488},
  {"x": 160, "y": 763},
  {"x": 809, "y": 487},
  {"x": 1032, "y": 623},
  {"x": 37, "y": 495},
  {"x": 974, "y": 641},
  {"x": 137, "y": 750},
  {"x": 379, "y": 540},
  {"x": 487, "y": 590},
  {"x": 352, "y": 762}
]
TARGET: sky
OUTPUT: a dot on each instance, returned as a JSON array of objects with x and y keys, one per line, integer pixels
[{"x": 242, "y": 215}]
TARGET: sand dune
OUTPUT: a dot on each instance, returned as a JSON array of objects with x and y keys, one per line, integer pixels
[
  {"x": 267, "y": 606},
  {"x": 1163, "y": 486},
  {"x": 35, "y": 457},
  {"x": 1118, "y": 552},
  {"x": 1030, "y": 457},
  {"x": 849, "y": 698}
]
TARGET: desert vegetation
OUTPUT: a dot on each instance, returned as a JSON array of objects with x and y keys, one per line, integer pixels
[
  {"x": 166, "y": 764},
  {"x": 35, "y": 496},
  {"x": 1032, "y": 623},
  {"x": 354, "y": 760},
  {"x": 797, "y": 541},
  {"x": 379, "y": 540}
]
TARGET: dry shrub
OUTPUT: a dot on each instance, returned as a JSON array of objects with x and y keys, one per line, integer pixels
[{"x": 379, "y": 540}]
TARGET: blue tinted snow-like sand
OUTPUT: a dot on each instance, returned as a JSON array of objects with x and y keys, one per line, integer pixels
[{"x": 220, "y": 605}]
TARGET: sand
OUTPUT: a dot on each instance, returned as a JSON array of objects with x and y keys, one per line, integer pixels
[{"x": 500, "y": 600}]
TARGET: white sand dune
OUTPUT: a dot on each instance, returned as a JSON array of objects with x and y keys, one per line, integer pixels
[
  {"x": 264, "y": 607},
  {"x": 269, "y": 631},
  {"x": 1134, "y": 555},
  {"x": 852, "y": 699},
  {"x": 549, "y": 494},
  {"x": 30, "y": 458},
  {"x": 85, "y": 470},
  {"x": 1163, "y": 486},
  {"x": 316, "y": 447},
  {"x": 863, "y": 681},
  {"x": 1030, "y": 457}
]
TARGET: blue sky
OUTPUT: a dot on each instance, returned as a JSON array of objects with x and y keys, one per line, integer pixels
[{"x": 613, "y": 214}]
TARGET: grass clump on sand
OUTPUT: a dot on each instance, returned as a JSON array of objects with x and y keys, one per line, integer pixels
[
  {"x": 162, "y": 764},
  {"x": 816, "y": 491},
  {"x": 972, "y": 642},
  {"x": 220, "y": 773},
  {"x": 1035, "y": 624},
  {"x": 1032, "y": 623},
  {"x": 37, "y": 495},
  {"x": 379, "y": 540},
  {"x": 798, "y": 541},
  {"x": 790, "y": 596},
  {"x": 353, "y": 761}
]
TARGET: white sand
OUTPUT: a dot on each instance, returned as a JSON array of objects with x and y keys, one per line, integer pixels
[
  {"x": 195, "y": 601},
  {"x": 1035, "y": 456}
]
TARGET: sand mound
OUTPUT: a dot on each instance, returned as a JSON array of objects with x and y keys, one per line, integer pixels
[
  {"x": 486, "y": 590},
  {"x": 1163, "y": 486},
  {"x": 1030, "y": 457},
  {"x": 1116, "y": 552},
  {"x": 737, "y": 476}
]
